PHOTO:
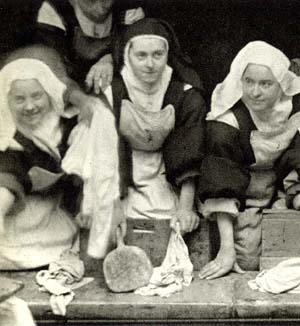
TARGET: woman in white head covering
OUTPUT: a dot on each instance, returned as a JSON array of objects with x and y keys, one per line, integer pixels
[
  {"x": 34, "y": 228},
  {"x": 160, "y": 114},
  {"x": 253, "y": 144}
]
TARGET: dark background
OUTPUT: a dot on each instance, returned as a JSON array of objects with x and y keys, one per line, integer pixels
[{"x": 211, "y": 31}]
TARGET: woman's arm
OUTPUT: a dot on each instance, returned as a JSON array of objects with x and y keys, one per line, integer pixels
[
  {"x": 6, "y": 202},
  {"x": 185, "y": 214}
]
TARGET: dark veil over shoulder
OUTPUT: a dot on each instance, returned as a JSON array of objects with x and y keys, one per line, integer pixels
[{"x": 181, "y": 63}]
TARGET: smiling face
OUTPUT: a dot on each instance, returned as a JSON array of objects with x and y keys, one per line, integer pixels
[
  {"x": 148, "y": 58},
  {"x": 96, "y": 10},
  {"x": 260, "y": 88},
  {"x": 28, "y": 102}
]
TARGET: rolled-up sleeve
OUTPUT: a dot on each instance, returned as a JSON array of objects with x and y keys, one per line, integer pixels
[
  {"x": 185, "y": 146},
  {"x": 224, "y": 171}
]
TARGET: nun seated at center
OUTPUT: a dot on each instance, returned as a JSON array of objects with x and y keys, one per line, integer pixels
[
  {"x": 160, "y": 114},
  {"x": 253, "y": 151},
  {"x": 40, "y": 178}
]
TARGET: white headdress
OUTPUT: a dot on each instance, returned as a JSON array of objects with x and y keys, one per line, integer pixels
[
  {"x": 22, "y": 69},
  {"x": 227, "y": 93}
]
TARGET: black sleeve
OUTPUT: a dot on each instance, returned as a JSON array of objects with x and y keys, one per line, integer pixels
[
  {"x": 224, "y": 171},
  {"x": 54, "y": 37},
  {"x": 184, "y": 147},
  {"x": 289, "y": 160},
  {"x": 14, "y": 164}
]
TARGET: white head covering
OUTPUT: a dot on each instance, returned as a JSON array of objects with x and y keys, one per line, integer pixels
[
  {"x": 22, "y": 69},
  {"x": 227, "y": 93},
  {"x": 139, "y": 92}
]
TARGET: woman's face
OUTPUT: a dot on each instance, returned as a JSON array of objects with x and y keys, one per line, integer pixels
[
  {"x": 148, "y": 58},
  {"x": 260, "y": 88},
  {"x": 96, "y": 10},
  {"x": 28, "y": 102}
]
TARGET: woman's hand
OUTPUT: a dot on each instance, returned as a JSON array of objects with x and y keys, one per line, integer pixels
[
  {"x": 187, "y": 219},
  {"x": 296, "y": 202},
  {"x": 185, "y": 214},
  {"x": 100, "y": 74}
]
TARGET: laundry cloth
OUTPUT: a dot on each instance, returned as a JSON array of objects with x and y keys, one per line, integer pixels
[
  {"x": 61, "y": 278},
  {"x": 175, "y": 272},
  {"x": 93, "y": 156},
  {"x": 284, "y": 277},
  {"x": 15, "y": 312}
]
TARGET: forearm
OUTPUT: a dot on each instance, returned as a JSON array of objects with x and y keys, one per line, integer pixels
[
  {"x": 7, "y": 200},
  {"x": 187, "y": 194},
  {"x": 77, "y": 97}
]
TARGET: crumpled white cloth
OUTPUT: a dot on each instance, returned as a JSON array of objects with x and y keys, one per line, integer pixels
[
  {"x": 93, "y": 155},
  {"x": 284, "y": 277},
  {"x": 15, "y": 312},
  {"x": 60, "y": 279},
  {"x": 175, "y": 272}
]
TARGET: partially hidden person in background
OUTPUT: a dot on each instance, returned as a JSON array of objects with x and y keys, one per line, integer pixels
[
  {"x": 83, "y": 32},
  {"x": 160, "y": 114},
  {"x": 253, "y": 144}
]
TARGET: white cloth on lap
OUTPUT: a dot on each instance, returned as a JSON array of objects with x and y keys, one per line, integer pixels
[{"x": 93, "y": 155}]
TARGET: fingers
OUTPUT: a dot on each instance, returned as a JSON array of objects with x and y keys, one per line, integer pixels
[
  {"x": 99, "y": 77},
  {"x": 89, "y": 80},
  {"x": 93, "y": 79},
  {"x": 187, "y": 219},
  {"x": 236, "y": 268},
  {"x": 214, "y": 270},
  {"x": 211, "y": 271}
]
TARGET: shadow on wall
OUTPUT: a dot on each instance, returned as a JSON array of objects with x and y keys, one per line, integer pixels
[{"x": 211, "y": 31}]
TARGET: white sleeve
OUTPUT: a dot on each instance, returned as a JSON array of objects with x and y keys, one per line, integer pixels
[
  {"x": 219, "y": 205},
  {"x": 48, "y": 15}
]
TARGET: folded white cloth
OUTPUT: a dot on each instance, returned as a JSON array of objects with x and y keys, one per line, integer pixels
[
  {"x": 284, "y": 277},
  {"x": 60, "y": 279}
]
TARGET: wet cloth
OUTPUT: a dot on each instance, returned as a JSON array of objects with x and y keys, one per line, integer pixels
[
  {"x": 284, "y": 277},
  {"x": 62, "y": 277},
  {"x": 175, "y": 272}
]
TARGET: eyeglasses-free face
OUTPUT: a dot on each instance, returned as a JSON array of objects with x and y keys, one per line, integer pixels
[
  {"x": 148, "y": 58},
  {"x": 28, "y": 102}
]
